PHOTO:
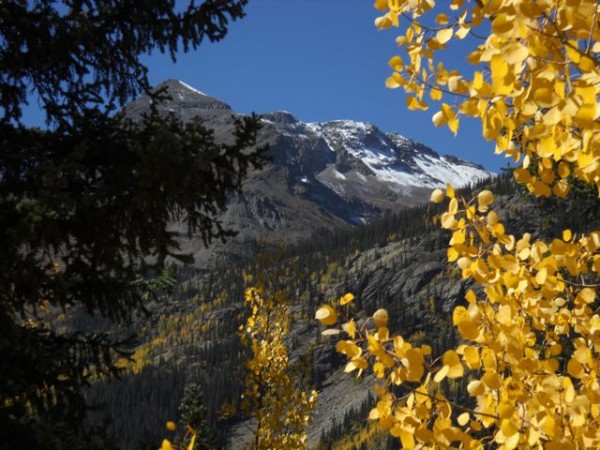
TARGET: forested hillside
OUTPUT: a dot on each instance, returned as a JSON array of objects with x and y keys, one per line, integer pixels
[{"x": 396, "y": 263}]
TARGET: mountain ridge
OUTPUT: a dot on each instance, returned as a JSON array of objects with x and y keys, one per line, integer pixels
[{"x": 327, "y": 175}]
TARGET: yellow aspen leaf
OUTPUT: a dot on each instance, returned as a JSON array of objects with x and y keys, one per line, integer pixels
[
  {"x": 499, "y": 69},
  {"x": 330, "y": 332},
  {"x": 396, "y": 63},
  {"x": 452, "y": 360},
  {"x": 509, "y": 429},
  {"x": 383, "y": 334},
  {"x": 458, "y": 237},
  {"x": 459, "y": 315},
  {"x": 444, "y": 35},
  {"x": 462, "y": 32},
  {"x": 510, "y": 264},
  {"x": 493, "y": 123},
  {"x": 572, "y": 52},
  {"x": 448, "y": 221},
  {"x": 476, "y": 388},
  {"x": 452, "y": 119},
  {"x": 477, "y": 82},
  {"x": 471, "y": 213},
  {"x": 553, "y": 116},
  {"x": 357, "y": 362},
  {"x": 471, "y": 357},
  {"x": 450, "y": 193},
  {"x": 453, "y": 205},
  {"x": 442, "y": 19},
  {"x": 492, "y": 218},
  {"x": 166, "y": 445},
  {"x": 586, "y": 64},
  {"x": 540, "y": 189},
  {"x": 437, "y": 196},
  {"x": 561, "y": 188},
  {"x": 533, "y": 437},
  {"x": 468, "y": 330},
  {"x": 492, "y": 380},
  {"x": 414, "y": 361},
  {"x": 583, "y": 356},
  {"x": 171, "y": 426},
  {"x": 374, "y": 414},
  {"x": 586, "y": 295},
  {"x": 568, "y": 389},
  {"x": 407, "y": 439},
  {"x": 541, "y": 276},
  {"x": 463, "y": 419},
  {"x": 381, "y": 5},
  {"x": 439, "y": 119},
  {"x": 383, "y": 22},
  {"x": 484, "y": 199},
  {"x": 380, "y": 318},
  {"x": 350, "y": 328},
  {"x": 563, "y": 170},
  {"x": 587, "y": 94},
  {"x": 522, "y": 176},
  {"x": 414, "y": 103},
  {"x": 348, "y": 348},
  {"x": 379, "y": 370},
  {"x": 441, "y": 374},
  {"x": 515, "y": 54},
  {"x": 453, "y": 254},
  {"x": 471, "y": 297},
  {"x": 347, "y": 298},
  {"x": 435, "y": 94},
  {"x": 586, "y": 115},
  {"x": 394, "y": 81},
  {"x": 504, "y": 315},
  {"x": 326, "y": 315},
  {"x": 503, "y": 24},
  {"x": 545, "y": 97},
  {"x": 575, "y": 369},
  {"x": 548, "y": 425}
]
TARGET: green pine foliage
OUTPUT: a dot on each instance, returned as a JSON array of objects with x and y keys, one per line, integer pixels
[{"x": 85, "y": 204}]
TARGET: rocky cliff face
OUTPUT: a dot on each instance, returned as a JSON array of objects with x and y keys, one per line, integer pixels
[{"x": 322, "y": 175}]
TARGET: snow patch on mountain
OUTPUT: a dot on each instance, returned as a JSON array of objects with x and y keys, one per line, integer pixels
[
  {"x": 338, "y": 175},
  {"x": 395, "y": 159},
  {"x": 187, "y": 86}
]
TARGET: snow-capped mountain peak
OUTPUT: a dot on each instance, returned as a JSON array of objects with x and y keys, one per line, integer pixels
[
  {"x": 322, "y": 174},
  {"x": 391, "y": 157}
]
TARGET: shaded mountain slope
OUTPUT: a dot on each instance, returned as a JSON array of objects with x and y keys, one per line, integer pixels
[{"x": 322, "y": 175}]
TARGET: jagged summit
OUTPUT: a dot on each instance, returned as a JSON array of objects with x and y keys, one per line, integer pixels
[
  {"x": 322, "y": 175},
  {"x": 186, "y": 102},
  {"x": 178, "y": 85},
  {"x": 279, "y": 117}
]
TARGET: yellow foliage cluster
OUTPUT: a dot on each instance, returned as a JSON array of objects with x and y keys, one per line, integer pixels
[
  {"x": 530, "y": 351},
  {"x": 273, "y": 393},
  {"x": 534, "y": 83},
  {"x": 188, "y": 441}
]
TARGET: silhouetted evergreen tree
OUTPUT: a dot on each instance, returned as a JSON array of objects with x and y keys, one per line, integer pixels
[{"x": 85, "y": 204}]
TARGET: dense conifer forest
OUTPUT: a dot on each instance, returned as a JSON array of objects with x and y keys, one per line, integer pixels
[{"x": 192, "y": 335}]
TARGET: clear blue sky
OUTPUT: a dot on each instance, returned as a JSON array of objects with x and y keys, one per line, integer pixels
[{"x": 321, "y": 60}]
